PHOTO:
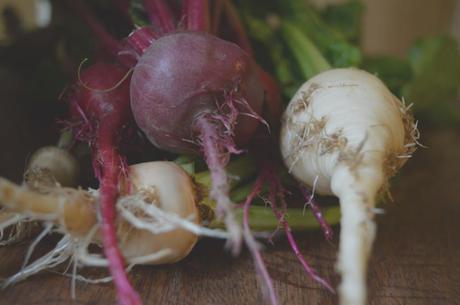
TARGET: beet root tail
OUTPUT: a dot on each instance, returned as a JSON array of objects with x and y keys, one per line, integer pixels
[
  {"x": 111, "y": 165},
  {"x": 217, "y": 149}
]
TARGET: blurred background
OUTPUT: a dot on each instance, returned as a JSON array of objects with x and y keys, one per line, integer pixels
[
  {"x": 413, "y": 45},
  {"x": 409, "y": 43}
]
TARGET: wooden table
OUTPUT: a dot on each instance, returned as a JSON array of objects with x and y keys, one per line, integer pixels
[{"x": 416, "y": 258}]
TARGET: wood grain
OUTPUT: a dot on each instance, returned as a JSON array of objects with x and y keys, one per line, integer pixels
[{"x": 416, "y": 259}]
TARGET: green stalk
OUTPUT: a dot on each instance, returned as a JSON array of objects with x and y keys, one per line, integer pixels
[
  {"x": 238, "y": 170},
  {"x": 66, "y": 138},
  {"x": 187, "y": 162},
  {"x": 262, "y": 219},
  {"x": 308, "y": 56}
]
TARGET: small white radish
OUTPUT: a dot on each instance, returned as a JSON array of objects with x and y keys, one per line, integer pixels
[
  {"x": 171, "y": 189},
  {"x": 158, "y": 213},
  {"x": 346, "y": 134}
]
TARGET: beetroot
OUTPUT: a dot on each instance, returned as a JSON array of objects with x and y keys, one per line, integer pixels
[
  {"x": 185, "y": 76},
  {"x": 101, "y": 115}
]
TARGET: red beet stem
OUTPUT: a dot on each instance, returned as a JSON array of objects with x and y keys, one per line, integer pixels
[
  {"x": 235, "y": 23},
  {"x": 253, "y": 246},
  {"x": 160, "y": 14},
  {"x": 111, "y": 164},
  {"x": 277, "y": 191},
  {"x": 139, "y": 40},
  {"x": 325, "y": 227},
  {"x": 196, "y": 15},
  {"x": 109, "y": 43},
  {"x": 216, "y": 148},
  {"x": 216, "y": 16}
]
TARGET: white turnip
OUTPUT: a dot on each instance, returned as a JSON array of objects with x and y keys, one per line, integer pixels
[{"x": 346, "y": 134}]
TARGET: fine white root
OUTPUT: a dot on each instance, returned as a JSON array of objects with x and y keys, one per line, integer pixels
[
  {"x": 32, "y": 246},
  {"x": 159, "y": 221},
  {"x": 14, "y": 227},
  {"x": 55, "y": 257}
]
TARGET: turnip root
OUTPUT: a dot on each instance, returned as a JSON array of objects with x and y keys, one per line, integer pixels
[
  {"x": 346, "y": 131},
  {"x": 157, "y": 221}
]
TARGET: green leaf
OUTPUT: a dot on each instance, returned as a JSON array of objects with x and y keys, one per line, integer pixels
[
  {"x": 305, "y": 51},
  {"x": 345, "y": 18},
  {"x": 435, "y": 88},
  {"x": 394, "y": 72},
  {"x": 334, "y": 46},
  {"x": 138, "y": 14}
]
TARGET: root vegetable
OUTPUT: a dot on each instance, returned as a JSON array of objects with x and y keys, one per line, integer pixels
[
  {"x": 346, "y": 130},
  {"x": 163, "y": 185}
]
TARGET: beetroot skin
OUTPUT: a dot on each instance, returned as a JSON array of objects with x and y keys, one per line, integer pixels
[
  {"x": 99, "y": 103},
  {"x": 185, "y": 75}
]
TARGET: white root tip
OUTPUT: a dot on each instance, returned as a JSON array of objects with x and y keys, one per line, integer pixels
[
  {"x": 62, "y": 251},
  {"x": 356, "y": 237}
]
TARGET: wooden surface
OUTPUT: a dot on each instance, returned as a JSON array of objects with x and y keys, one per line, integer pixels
[{"x": 416, "y": 259}]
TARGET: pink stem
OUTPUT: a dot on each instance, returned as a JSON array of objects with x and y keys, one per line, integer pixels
[
  {"x": 160, "y": 14},
  {"x": 111, "y": 166},
  {"x": 196, "y": 13},
  {"x": 141, "y": 39},
  {"x": 325, "y": 227},
  {"x": 216, "y": 16},
  {"x": 311, "y": 272},
  {"x": 237, "y": 26},
  {"x": 253, "y": 246},
  {"x": 216, "y": 155},
  {"x": 276, "y": 190},
  {"x": 111, "y": 44}
]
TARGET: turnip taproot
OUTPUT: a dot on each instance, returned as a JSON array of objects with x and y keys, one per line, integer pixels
[{"x": 346, "y": 133}]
